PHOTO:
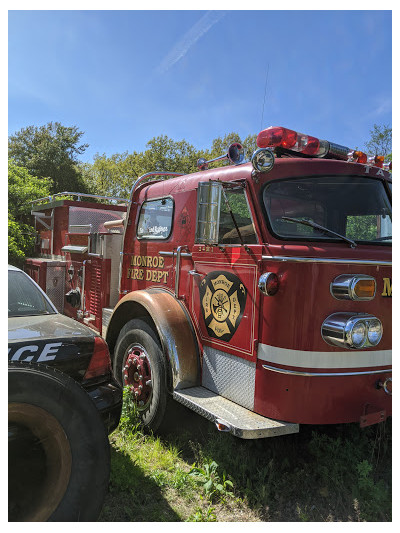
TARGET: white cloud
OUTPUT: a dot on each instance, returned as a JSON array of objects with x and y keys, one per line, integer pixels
[
  {"x": 201, "y": 27},
  {"x": 383, "y": 106}
]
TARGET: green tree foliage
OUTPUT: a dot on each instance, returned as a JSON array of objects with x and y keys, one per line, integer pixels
[
  {"x": 115, "y": 175},
  {"x": 22, "y": 189},
  {"x": 380, "y": 142},
  {"x": 111, "y": 176},
  {"x": 165, "y": 154},
  {"x": 50, "y": 151}
]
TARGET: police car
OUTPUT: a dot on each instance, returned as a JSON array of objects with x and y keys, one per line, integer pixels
[{"x": 39, "y": 335}]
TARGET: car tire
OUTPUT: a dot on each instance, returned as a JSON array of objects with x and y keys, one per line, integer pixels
[
  {"x": 59, "y": 454},
  {"x": 136, "y": 340}
]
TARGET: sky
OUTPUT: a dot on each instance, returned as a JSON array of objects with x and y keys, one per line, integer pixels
[{"x": 123, "y": 77}]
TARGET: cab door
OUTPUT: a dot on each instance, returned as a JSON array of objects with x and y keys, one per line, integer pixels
[
  {"x": 225, "y": 298},
  {"x": 224, "y": 295}
]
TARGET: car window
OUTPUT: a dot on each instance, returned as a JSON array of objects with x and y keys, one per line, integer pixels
[
  {"x": 155, "y": 220},
  {"x": 24, "y": 298},
  {"x": 238, "y": 204},
  {"x": 354, "y": 206}
]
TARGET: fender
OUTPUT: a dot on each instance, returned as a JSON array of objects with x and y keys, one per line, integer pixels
[{"x": 173, "y": 327}]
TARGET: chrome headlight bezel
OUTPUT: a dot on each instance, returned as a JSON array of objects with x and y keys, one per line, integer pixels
[{"x": 337, "y": 330}]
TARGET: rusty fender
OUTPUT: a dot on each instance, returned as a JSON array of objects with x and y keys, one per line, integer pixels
[{"x": 173, "y": 326}]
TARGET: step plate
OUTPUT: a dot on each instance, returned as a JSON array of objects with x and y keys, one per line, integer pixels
[{"x": 244, "y": 423}]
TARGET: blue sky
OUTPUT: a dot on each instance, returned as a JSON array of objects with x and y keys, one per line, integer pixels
[{"x": 124, "y": 77}]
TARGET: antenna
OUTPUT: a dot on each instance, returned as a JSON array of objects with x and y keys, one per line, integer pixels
[{"x": 265, "y": 92}]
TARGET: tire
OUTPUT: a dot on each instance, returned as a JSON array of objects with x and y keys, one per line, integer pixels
[
  {"x": 59, "y": 454},
  {"x": 138, "y": 346}
]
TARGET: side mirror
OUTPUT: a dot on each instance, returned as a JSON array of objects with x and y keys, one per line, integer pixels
[{"x": 208, "y": 210}]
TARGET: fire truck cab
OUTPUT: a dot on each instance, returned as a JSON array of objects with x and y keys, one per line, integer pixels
[{"x": 257, "y": 294}]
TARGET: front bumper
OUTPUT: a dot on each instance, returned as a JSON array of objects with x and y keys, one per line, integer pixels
[{"x": 108, "y": 400}]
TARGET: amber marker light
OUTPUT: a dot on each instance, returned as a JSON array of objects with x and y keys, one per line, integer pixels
[
  {"x": 365, "y": 289},
  {"x": 379, "y": 160},
  {"x": 353, "y": 287},
  {"x": 360, "y": 157}
]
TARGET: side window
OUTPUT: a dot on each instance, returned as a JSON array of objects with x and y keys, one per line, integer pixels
[
  {"x": 240, "y": 209},
  {"x": 155, "y": 219}
]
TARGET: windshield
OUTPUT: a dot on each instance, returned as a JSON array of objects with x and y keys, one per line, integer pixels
[
  {"x": 355, "y": 207},
  {"x": 24, "y": 298}
]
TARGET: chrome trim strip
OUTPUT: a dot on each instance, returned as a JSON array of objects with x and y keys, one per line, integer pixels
[
  {"x": 292, "y": 259},
  {"x": 324, "y": 360},
  {"x": 171, "y": 254},
  {"x": 323, "y": 374}
]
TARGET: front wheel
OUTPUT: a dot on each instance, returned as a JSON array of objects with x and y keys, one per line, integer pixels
[
  {"x": 59, "y": 456},
  {"x": 139, "y": 364}
]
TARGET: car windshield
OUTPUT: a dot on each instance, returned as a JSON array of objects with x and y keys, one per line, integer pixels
[
  {"x": 24, "y": 298},
  {"x": 354, "y": 207}
]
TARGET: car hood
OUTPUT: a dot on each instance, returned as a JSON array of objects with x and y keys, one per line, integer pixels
[{"x": 23, "y": 328}]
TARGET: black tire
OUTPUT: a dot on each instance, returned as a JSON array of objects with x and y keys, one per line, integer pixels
[
  {"x": 59, "y": 454},
  {"x": 138, "y": 333}
]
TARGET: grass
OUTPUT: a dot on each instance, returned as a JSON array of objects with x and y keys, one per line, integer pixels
[{"x": 324, "y": 473}]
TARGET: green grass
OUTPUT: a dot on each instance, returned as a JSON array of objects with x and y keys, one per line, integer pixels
[{"x": 324, "y": 473}]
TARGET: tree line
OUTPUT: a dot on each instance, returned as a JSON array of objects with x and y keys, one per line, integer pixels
[{"x": 45, "y": 160}]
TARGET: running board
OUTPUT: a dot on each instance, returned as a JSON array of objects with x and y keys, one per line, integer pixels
[{"x": 229, "y": 416}]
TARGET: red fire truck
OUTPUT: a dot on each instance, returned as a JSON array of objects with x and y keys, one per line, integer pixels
[{"x": 257, "y": 294}]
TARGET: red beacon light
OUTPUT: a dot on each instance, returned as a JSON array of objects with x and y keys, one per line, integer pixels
[
  {"x": 284, "y": 140},
  {"x": 278, "y": 137}
]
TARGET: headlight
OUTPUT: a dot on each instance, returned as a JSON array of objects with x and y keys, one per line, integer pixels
[
  {"x": 374, "y": 332},
  {"x": 358, "y": 334},
  {"x": 352, "y": 330}
]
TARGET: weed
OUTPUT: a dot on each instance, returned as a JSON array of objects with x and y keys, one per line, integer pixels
[
  {"x": 129, "y": 421},
  {"x": 213, "y": 485},
  {"x": 323, "y": 473},
  {"x": 373, "y": 497},
  {"x": 200, "y": 516}
]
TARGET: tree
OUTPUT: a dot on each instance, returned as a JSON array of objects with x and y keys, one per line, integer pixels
[
  {"x": 111, "y": 176},
  {"x": 380, "y": 142},
  {"x": 22, "y": 189},
  {"x": 50, "y": 151},
  {"x": 114, "y": 175},
  {"x": 165, "y": 154}
]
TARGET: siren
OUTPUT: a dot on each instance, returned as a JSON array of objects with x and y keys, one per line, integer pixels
[{"x": 235, "y": 155}]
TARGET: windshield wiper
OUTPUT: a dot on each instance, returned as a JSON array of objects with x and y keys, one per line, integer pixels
[{"x": 321, "y": 228}]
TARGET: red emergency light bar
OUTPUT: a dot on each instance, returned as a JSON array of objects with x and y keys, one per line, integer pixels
[{"x": 306, "y": 145}]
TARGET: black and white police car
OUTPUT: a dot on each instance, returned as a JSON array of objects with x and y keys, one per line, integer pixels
[
  {"x": 63, "y": 401},
  {"x": 38, "y": 333}
]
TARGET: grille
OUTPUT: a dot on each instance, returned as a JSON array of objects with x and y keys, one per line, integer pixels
[{"x": 95, "y": 289}]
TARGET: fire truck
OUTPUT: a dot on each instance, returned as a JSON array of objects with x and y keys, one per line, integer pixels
[{"x": 257, "y": 294}]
